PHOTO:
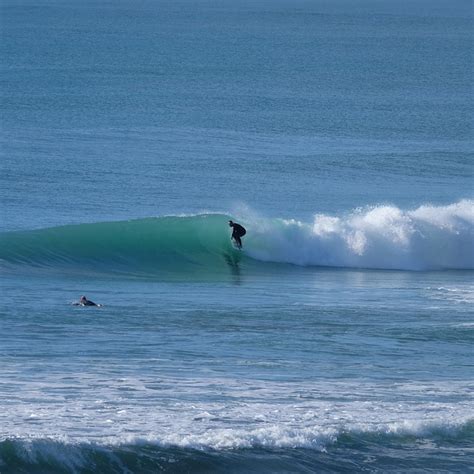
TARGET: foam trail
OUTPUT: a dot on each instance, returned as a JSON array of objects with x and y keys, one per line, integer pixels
[{"x": 380, "y": 237}]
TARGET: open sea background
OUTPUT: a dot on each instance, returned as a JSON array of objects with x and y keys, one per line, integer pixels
[{"x": 339, "y": 133}]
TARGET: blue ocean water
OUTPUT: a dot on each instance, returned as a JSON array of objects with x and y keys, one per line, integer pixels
[{"x": 339, "y": 339}]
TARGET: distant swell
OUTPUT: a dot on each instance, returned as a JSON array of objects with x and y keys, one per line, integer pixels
[{"x": 380, "y": 237}]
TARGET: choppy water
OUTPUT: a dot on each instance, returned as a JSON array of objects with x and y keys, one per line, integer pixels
[{"x": 340, "y": 338}]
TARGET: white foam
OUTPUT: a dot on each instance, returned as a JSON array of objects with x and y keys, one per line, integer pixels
[
  {"x": 459, "y": 295},
  {"x": 381, "y": 237},
  {"x": 247, "y": 414}
]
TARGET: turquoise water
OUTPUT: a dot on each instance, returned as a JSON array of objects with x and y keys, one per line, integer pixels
[{"x": 339, "y": 339}]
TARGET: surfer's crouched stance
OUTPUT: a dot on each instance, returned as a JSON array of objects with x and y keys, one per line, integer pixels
[
  {"x": 237, "y": 232},
  {"x": 85, "y": 302}
]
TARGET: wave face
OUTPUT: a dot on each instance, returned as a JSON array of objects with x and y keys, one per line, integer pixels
[
  {"x": 153, "y": 245},
  {"x": 381, "y": 237}
]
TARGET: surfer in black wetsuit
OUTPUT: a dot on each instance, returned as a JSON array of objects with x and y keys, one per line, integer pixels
[
  {"x": 237, "y": 232},
  {"x": 85, "y": 302}
]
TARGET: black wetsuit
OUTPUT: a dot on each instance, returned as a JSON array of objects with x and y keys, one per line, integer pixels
[
  {"x": 85, "y": 302},
  {"x": 238, "y": 232}
]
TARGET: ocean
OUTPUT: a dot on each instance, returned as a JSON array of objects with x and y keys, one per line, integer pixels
[{"x": 339, "y": 339}]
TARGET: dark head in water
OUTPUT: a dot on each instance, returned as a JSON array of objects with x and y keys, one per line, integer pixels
[{"x": 237, "y": 232}]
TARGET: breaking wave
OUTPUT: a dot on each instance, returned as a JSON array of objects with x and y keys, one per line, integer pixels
[
  {"x": 262, "y": 451},
  {"x": 380, "y": 237}
]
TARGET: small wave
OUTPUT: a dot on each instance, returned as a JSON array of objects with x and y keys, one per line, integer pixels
[{"x": 148, "y": 454}]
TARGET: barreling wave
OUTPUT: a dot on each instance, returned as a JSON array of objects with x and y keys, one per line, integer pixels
[
  {"x": 380, "y": 237},
  {"x": 138, "y": 247}
]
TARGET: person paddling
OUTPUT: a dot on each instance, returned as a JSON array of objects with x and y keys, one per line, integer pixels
[
  {"x": 238, "y": 231},
  {"x": 85, "y": 302}
]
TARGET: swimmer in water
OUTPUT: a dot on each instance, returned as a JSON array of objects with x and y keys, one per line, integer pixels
[{"x": 85, "y": 302}]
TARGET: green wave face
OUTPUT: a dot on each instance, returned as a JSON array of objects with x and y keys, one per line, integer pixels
[{"x": 144, "y": 246}]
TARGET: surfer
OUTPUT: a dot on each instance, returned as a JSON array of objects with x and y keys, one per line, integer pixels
[
  {"x": 85, "y": 302},
  {"x": 237, "y": 232}
]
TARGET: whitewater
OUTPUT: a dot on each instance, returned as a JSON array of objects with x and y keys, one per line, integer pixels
[
  {"x": 259, "y": 421},
  {"x": 383, "y": 237}
]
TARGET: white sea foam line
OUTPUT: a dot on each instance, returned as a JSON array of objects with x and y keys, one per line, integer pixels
[
  {"x": 252, "y": 414},
  {"x": 73, "y": 454}
]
